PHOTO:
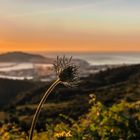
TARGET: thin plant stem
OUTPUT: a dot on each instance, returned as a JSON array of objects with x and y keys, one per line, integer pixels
[{"x": 35, "y": 117}]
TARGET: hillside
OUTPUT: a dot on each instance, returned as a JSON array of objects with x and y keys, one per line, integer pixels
[
  {"x": 113, "y": 84},
  {"x": 9, "y": 89},
  {"x": 110, "y": 86},
  {"x": 22, "y": 57}
]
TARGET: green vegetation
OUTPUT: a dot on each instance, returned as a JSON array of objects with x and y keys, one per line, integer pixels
[
  {"x": 118, "y": 122},
  {"x": 115, "y": 115}
]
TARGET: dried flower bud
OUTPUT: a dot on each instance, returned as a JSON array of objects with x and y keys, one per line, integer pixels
[{"x": 66, "y": 71}]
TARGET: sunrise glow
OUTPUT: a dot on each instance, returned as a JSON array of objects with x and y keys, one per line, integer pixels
[{"x": 70, "y": 25}]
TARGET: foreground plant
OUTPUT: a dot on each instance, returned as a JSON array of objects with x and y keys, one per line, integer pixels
[{"x": 67, "y": 74}]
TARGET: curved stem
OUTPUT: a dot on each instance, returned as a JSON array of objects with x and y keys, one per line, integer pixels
[{"x": 34, "y": 121}]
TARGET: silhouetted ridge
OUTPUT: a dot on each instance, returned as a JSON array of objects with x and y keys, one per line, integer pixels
[{"x": 20, "y": 57}]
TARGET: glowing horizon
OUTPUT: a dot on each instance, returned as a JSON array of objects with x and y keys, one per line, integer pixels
[{"x": 76, "y": 25}]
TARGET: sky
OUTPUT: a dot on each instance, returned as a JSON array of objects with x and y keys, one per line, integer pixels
[{"x": 70, "y": 25}]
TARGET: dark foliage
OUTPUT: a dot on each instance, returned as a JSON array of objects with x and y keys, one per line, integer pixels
[{"x": 110, "y": 86}]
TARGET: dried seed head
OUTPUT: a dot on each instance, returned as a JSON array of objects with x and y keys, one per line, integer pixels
[{"x": 66, "y": 71}]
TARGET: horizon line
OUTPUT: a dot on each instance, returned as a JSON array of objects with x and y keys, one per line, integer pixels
[{"x": 70, "y": 51}]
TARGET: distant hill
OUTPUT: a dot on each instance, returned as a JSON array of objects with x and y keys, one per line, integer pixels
[{"x": 22, "y": 57}]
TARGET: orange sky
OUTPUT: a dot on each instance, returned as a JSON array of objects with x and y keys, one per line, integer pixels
[
  {"x": 72, "y": 45},
  {"x": 69, "y": 25}
]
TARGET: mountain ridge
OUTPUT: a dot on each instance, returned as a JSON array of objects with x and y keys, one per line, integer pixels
[
  {"x": 21, "y": 57},
  {"x": 18, "y": 56}
]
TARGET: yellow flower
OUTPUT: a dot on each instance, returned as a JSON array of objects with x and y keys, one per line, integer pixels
[
  {"x": 6, "y": 136},
  {"x": 63, "y": 134}
]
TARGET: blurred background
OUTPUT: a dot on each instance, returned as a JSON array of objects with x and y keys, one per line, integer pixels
[{"x": 103, "y": 39}]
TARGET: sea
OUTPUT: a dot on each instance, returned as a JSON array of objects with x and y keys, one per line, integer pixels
[{"x": 110, "y": 58}]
